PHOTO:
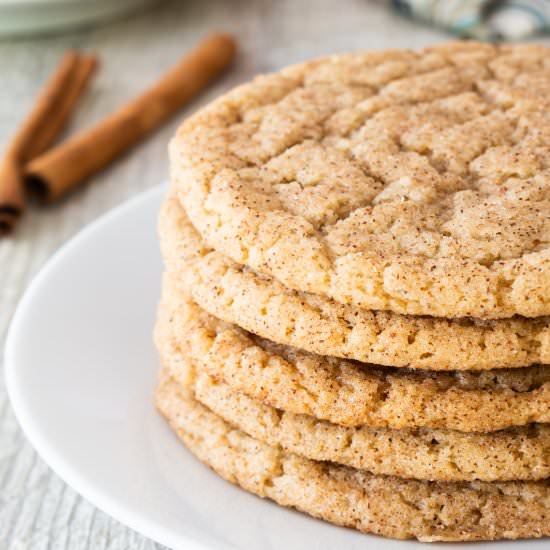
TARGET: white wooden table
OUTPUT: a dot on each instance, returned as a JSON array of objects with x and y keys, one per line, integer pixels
[{"x": 37, "y": 510}]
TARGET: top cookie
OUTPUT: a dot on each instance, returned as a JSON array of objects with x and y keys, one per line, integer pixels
[{"x": 415, "y": 182}]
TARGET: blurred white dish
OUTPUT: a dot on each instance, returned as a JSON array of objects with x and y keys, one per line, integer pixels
[
  {"x": 24, "y": 17},
  {"x": 81, "y": 372}
]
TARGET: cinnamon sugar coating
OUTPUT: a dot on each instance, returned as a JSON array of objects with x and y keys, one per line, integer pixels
[{"x": 415, "y": 182}]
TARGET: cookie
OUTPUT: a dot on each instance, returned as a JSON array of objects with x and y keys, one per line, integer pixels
[
  {"x": 354, "y": 394},
  {"x": 444, "y": 455},
  {"x": 384, "y": 505},
  {"x": 415, "y": 182},
  {"x": 265, "y": 307}
]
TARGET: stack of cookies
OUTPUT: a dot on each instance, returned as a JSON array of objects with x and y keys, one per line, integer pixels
[{"x": 357, "y": 277}]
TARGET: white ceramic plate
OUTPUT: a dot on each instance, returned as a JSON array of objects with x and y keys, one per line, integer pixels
[{"x": 81, "y": 372}]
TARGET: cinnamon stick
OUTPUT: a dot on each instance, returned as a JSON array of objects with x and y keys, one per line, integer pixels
[
  {"x": 61, "y": 169},
  {"x": 50, "y": 113},
  {"x": 85, "y": 67},
  {"x": 12, "y": 195}
]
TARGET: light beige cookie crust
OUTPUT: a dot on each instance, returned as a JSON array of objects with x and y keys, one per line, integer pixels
[
  {"x": 515, "y": 454},
  {"x": 415, "y": 182},
  {"x": 352, "y": 394},
  {"x": 388, "y": 506},
  {"x": 444, "y": 455},
  {"x": 265, "y": 307}
]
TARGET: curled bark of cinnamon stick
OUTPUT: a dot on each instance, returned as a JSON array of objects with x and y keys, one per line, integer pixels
[
  {"x": 61, "y": 169},
  {"x": 49, "y": 115},
  {"x": 84, "y": 69},
  {"x": 12, "y": 194}
]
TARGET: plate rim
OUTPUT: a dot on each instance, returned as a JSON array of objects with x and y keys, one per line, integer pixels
[{"x": 54, "y": 459}]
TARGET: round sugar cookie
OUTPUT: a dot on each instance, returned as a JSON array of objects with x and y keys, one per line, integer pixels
[
  {"x": 421, "y": 453},
  {"x": 410, "y": 181},
  {"x": 264, "y": 306},
  {"x": 352, "y": 394},
  {"x": 384, "y": 505}
]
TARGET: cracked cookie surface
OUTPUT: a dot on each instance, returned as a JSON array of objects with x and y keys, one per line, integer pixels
[
  {"x": 264, "y": 306},
  {"x": 415, "y": 182}
]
